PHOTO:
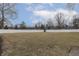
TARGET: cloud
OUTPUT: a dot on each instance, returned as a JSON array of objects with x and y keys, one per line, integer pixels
[
  {"x": 32, "y": 7},
  {"x": 41, "y": 12},
  {"x": 46, "y": 14},
  {"x": 38, "y": 6}
]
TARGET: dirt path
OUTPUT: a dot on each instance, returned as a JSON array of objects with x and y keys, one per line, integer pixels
[{"x": 74, "y": 51}]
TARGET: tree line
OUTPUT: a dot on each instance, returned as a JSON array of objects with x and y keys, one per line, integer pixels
[
  {"x": 8, "y": 11},
  {"x": 61, "y": 23}
]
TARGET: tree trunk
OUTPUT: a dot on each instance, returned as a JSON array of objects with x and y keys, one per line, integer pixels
[
  {"x": 2, "y": 22},
  {"x": 44, "y": 28}
]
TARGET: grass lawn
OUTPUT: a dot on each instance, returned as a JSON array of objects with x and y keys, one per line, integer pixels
[{"x": 41, "y": 44}]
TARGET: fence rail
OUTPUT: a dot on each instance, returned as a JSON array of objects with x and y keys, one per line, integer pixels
[{"x": 18, "y": 31}]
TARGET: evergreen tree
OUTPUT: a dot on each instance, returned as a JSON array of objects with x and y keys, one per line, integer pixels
[{"x": 23, "y": 25}]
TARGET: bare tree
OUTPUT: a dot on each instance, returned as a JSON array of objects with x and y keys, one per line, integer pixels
[
  {"x": 38, "y": 24},
  {"x": 16, "y": 26},
  {"x": 23, "y": 25},
  {"x": 50, "y": 24},
  {"x": 75, "y": 22},
  {"x": 7, "y": 12},
  {"x": 70, "y": 7},
  {"x": 60, "y": 20}
]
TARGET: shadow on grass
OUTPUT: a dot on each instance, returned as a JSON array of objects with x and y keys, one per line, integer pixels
[{"x": 1, "y": 42}]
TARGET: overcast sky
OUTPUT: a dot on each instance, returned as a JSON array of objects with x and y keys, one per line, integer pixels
[{"x": 32, "y": 13}]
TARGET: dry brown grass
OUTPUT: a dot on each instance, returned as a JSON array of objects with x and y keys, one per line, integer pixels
[{"x": 47, "y": 44}]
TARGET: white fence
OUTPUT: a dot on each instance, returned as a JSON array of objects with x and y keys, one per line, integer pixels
[{"x": 19, "y": 31}]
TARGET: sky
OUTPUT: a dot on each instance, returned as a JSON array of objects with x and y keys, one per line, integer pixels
[{"x": 32, "y": 13}]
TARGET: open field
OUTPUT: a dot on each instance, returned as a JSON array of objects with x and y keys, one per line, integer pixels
[{"x": 39, "y": 43}]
